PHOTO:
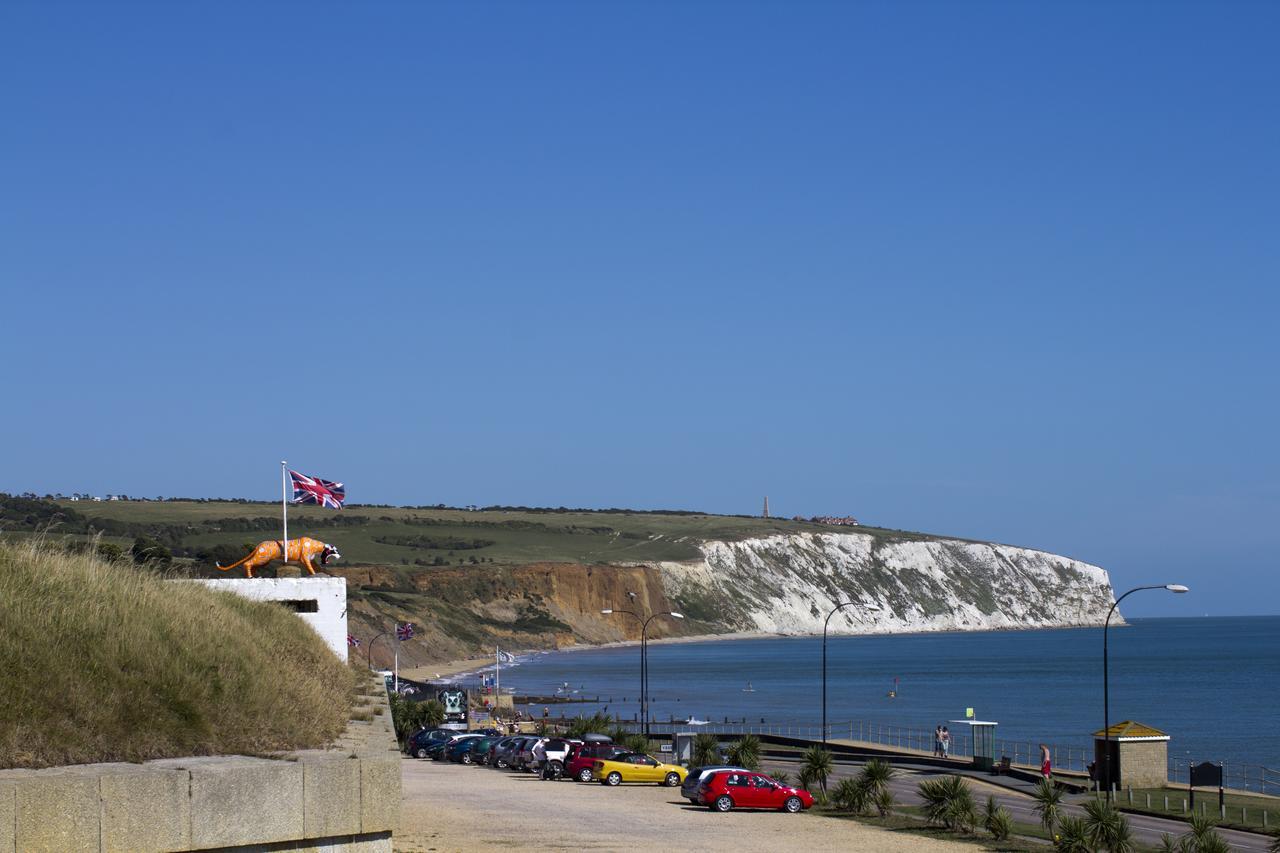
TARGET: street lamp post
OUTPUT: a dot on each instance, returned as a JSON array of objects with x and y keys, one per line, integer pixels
[
  {"x": 609, "y": 612},
  {"x": 824, "y": 656},
  {"x": 644, "y": 657},
  {"x": 1106, "y": 685}
]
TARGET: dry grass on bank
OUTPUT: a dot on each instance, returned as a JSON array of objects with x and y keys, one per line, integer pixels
[{"x": 108, "y": 662}]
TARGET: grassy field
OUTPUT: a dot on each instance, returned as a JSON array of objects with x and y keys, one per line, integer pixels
[
  {"x": 1243, "y": 811},
  {"x": 111, "y": 663},
  {"x": 416, "y": 537}
]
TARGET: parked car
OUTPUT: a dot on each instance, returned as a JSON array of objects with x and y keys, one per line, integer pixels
[
  {"x": 558, "y": 749},
  {"x": 524, "y": 759},
  {"x": 503, "y": 758},
  {"x": 698, "y": 775},
  {"x": 438, "y": 751},
  {"x": 484, "y": 746},
  {"x": 460, "y": 750},
  {"x": 637, "y": 767},
  {"x": 582, "y": 760},
  {"x": 730, "y": 789},
  {"x": 416, "y": 744}
]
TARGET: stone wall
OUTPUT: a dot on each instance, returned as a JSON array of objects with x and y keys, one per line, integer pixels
[
  {"x": 1144, "y": 763},
  {"x": 345, "y": 799}
]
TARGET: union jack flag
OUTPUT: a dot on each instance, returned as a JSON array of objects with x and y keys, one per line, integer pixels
[
  {"x": 405, "y": 631},
  {"x": 313, "y": 490},
  {"x": 353, "y": 640}
]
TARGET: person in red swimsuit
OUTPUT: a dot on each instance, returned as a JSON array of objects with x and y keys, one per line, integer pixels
[{"x": 1044, "y": 761}]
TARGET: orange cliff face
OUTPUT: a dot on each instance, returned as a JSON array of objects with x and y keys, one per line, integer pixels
[{"x": 465, "y": 611}]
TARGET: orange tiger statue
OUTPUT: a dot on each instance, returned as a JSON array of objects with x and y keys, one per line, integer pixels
[{"x": 300, "y": 551}]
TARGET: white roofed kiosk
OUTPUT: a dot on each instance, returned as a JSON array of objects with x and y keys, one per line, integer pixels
[{"x": 984, "y": 742}]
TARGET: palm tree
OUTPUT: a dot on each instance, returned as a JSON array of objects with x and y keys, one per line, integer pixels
[
  {"x": 997, "y": 819},
  {"x": 706, "y": 750},
  {"x": 817, "y": 766},
  {"x": 875, "y": 778},
  {"x": 1072, "y": 836},
  {"x": 949, "y": 803},
  {"x": 1048, "y": 804},
  {"x": 1106, "y": 827},
  {"x": 746, "y": 753}
]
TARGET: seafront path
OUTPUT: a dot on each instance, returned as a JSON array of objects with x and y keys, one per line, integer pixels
[
  {"x": 1013, "y": 794},
  {"x": 450, "y": 807}
]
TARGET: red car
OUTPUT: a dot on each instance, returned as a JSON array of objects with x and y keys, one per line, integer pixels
[
  {"x": 582, "y": 758},
  {"x": 734, "y": 789}
]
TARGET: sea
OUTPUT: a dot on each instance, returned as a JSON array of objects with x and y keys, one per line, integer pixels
[{"x": 1212, "y": 684}]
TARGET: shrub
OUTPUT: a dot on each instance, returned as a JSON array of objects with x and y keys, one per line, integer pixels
[
  {"x": 706, "y": 750},
  {"x": 850, "y": 795},
  {"x": 746, "y": 753},
  {"x": 948, "y": 802},
  {"x": 816, "y": 767},
  {"x": 1106, "y": 827},
  {"x": 1048, "y": 804},
  {"x": 781, "y": 778},
  {"x": 598, "y": 723},
  {"x": 1072, "y": 836},
  {"x": 997, "y": 820},
  {"x": 148, "y": 550}
]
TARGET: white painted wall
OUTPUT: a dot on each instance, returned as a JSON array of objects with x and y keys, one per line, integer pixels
[{"x": 330, "y": 595}]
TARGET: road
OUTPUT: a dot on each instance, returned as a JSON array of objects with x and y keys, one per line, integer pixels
[{"x": 1147, "y": 830}]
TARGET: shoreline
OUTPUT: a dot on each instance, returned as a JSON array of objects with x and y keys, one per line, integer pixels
[{"x": 469, "y": 666}]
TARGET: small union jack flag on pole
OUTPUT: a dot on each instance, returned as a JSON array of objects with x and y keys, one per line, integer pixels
[
  {"x": 353, "y": 640},
  {"x": 313, "y": 490},
  {"x": 405, "y": 631}
]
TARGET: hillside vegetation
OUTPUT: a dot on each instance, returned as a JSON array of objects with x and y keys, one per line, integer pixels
[{"x": 102, "y": 661}]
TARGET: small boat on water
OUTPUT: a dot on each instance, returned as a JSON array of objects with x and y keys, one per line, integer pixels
[
  {"x": 748, "y": 688},
  {"x": 694, "y": 721}
]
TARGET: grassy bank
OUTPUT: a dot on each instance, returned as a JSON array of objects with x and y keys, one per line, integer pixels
[{"x": 107, "y": 662}]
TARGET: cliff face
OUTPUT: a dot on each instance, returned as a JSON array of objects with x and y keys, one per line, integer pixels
[
  {"x": 783, "y": 584},
  {"x": 787, "y": 584}
]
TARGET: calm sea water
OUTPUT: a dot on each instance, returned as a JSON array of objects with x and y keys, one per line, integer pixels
[{"x": 1212, "y": 683}]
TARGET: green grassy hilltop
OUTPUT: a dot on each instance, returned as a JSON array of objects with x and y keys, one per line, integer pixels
[{"x": 395, "y": 536}]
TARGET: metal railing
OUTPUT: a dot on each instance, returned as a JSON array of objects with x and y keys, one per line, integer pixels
[{"x": 1237, "y": 775}]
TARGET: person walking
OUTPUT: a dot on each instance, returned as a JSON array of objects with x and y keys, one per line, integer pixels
[
  {"x": 1045, "y": 765},
  {"x": 946, "y": 743},
  {"x": 937, "y": 741},
  {"x": 539, "y": 754}
]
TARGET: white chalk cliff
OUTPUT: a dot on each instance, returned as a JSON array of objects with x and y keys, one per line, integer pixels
[{"x": 787, "y": 584}]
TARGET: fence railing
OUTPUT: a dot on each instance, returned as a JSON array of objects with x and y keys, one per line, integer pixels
[
  {"x": 1070, "y": 757},
  {"x": 1238, "y": 775}
]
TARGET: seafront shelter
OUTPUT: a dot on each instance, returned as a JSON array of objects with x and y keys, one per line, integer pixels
[
  {"x": 1139, "y": 755},
  {"x": 984, "y": 742}
]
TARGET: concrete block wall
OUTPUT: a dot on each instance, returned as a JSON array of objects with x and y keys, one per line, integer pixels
[
  {"x": 328, "y": 596},
  {"x": 345, "y": 799},
  {"x": 1144, "y": 763}
]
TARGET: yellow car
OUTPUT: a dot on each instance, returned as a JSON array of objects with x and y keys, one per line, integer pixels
[{"x": 638, "y": 767}]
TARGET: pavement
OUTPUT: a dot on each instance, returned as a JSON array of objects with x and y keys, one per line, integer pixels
[{"x": 453, "y": 807}]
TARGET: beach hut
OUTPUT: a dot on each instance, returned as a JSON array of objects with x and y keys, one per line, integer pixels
[{"x": 1139, "y": 755}]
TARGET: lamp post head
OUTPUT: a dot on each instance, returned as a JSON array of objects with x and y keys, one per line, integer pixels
[
  {"x": 607, "y": 611},
  {"x": 1175, "y": 587}
]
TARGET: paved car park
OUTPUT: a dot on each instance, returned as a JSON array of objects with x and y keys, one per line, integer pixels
[{"x": 451, "y": 807}]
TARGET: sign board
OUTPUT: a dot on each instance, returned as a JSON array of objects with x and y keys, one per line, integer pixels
[
  {"x": 968, "y": 713},
  {"x": 455, "y": 705},
  {"x": 665, "y": 747},
  {"x": 1206, "y": 775}
]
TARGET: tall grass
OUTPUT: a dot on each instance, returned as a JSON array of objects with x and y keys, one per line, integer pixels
[{"x": 105, "y": 662}]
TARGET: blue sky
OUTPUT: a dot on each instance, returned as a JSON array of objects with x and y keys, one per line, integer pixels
[{"x": 999, "y": 270}]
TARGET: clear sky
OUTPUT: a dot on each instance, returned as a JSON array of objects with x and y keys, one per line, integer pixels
[{"x": 998, "y": 270}]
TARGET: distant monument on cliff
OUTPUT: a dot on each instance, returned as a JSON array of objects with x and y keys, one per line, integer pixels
[{"x": 766, "y": 507}]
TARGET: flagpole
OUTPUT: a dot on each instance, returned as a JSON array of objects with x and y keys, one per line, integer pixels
[
  {"x": 396, "y": 666},
  {"x": 284, "y": 505}
]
